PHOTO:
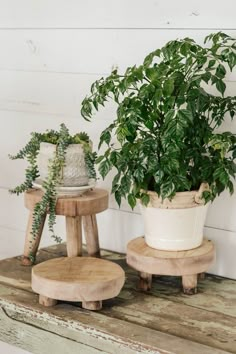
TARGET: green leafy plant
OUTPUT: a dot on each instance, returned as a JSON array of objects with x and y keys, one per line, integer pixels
[
  {"x": 169, "y": 113},
  {"x": 62, "y": 139}
]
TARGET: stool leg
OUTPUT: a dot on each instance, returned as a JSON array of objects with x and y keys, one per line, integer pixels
[
  {"x": 31, "y": 243},
  {"x": 47, "y": 301},
  {"x": 73, "y": 236},
  {"x": 145, "y": 281},
  {"x": 92, "y": 305},
  {"x": 189, "y": 284},
  {"x": 91, "y": 235},
  {"x": 201, "y": 276}
]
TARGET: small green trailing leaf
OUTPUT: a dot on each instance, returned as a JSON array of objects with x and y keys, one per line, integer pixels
[
  {"x": 145, "y": 198},
  {"x": 80, "y": 138},
  {"x": 86, "y": 110},
  {"x": 168, "y": 87},
  {"x": 105, "y": 138},
  {"x": 207, "y": 196},
  {"x": 170, "y": 115},
  {"x": 206, "y": 77},
  {"x": 118, "y": 197},
  {"x": 105, "y": 167},
  {"x": 211, "y": 63},
  {"x": 131, "y": 200},
  {"x": 90, "y": 159},
  {"x": 230, "y": 186},
  {"x": 220, "y": 71},
  {"x": 99, "y": 159},
  {"x": 185, "y": 115},
  {"x": 220, "y": 85},
  {"x": 232, "y": 60},
  {"x": 152, "y": 73},
  {"x": 115, "y": 182},
  {"x": 167, "y": 189},
  {"x": 184, "y": 49}
]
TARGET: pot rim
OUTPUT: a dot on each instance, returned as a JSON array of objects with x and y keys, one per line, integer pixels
[{"x": 181, "y": 200}]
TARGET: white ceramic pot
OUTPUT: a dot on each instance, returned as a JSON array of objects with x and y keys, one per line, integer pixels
[
  {"x": 74, "y": 172},
  {"x": 177, "y": 224}
]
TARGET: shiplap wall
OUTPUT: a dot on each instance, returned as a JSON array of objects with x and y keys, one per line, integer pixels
[{"x": 51, "y": 52}]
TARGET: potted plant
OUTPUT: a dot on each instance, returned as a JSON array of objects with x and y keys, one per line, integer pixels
[
  {"x": 59, "y": 163},
  {"x": 172, "y": 155}
]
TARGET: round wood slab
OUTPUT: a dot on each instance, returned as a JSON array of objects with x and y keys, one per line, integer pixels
[
  {"x": 83, "y": 279},
  {"x": 91, "y": 202},
  {"x": 146, "y": 259}
]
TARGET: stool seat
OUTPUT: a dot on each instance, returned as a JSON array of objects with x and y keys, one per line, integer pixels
[
  {"x": 187, "y": 264},
  {"x": 85, "y": 279},
  {"x": 92, "y": 202},
  {"x": 77, "y": 210}
]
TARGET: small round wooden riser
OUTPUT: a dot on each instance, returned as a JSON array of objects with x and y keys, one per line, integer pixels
[
  {"x": 189, "y": 264},
  {"x": 86, "y": 279}
]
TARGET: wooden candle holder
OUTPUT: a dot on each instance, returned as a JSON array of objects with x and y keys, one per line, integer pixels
[
  {"x": 188, "y": 264},
  {"x": 77, "y": 211}
]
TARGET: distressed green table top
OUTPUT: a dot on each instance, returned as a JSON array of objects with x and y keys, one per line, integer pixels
[{"x": 161, "y": 321}]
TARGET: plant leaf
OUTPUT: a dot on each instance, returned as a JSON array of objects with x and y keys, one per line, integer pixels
[
  {"x": 220, "y": 85},
  {"x": 131, "y": 200}
]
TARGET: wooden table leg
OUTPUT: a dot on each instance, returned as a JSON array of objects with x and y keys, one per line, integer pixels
[
  {"x": 73, "y": 236},
  {"x": 31, "y": 243},
  {"x": 92, "y": 305},
  {"x": 189, "y": 284},
  {"x": 145, "y": 281},
  {"x": 91, "y": 235},
  {"x": 47, "y": 301}
]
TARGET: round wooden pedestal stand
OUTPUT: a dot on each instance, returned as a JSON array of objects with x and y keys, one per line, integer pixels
[
  {"x": 85, "y": 279},
  {"x": 188, "y": 264},
  {"x": 77, "y": 210}
]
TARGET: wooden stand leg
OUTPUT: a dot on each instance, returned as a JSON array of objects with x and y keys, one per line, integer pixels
[
  {"x": 91, "y": 235},
  {"x": 92, "y": 305},
  {"x": 189, "y": 284},
  {"x": 31, "y": 244},
  {"x": 73, "y": 236},
  {"x": 201, "y": 276},
  {"x": 47, "y": 301},
  {"x": 145, "y": 281}
]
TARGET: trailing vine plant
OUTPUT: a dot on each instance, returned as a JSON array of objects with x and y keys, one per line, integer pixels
[
  {"x": 62, "y": 139},
  {"x": 170, "y": 109}
]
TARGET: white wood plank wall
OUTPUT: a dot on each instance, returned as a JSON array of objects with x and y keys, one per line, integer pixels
[{"x": 51, "y": 51}]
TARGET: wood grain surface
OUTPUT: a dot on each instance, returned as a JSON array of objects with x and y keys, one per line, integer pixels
[
  {"x": 31, "y": 244},
  {"x": 91, "y": 235},
  {"x": 91, "y": 202},
  {"x": 78, "y": 279},
  {"x": 73, "y": 208},
  {"x": 74, "y": 236},
  {"x": 146, "y": 259}
]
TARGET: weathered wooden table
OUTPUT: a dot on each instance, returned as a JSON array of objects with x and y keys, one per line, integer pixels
[{"x": 163, "y": 320}]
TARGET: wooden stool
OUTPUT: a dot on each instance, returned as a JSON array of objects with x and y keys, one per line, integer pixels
[
  {"x": 75, "y": 209},
  {"x": 85, "y": 279},
  {"x": 188, "y": 264}
]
